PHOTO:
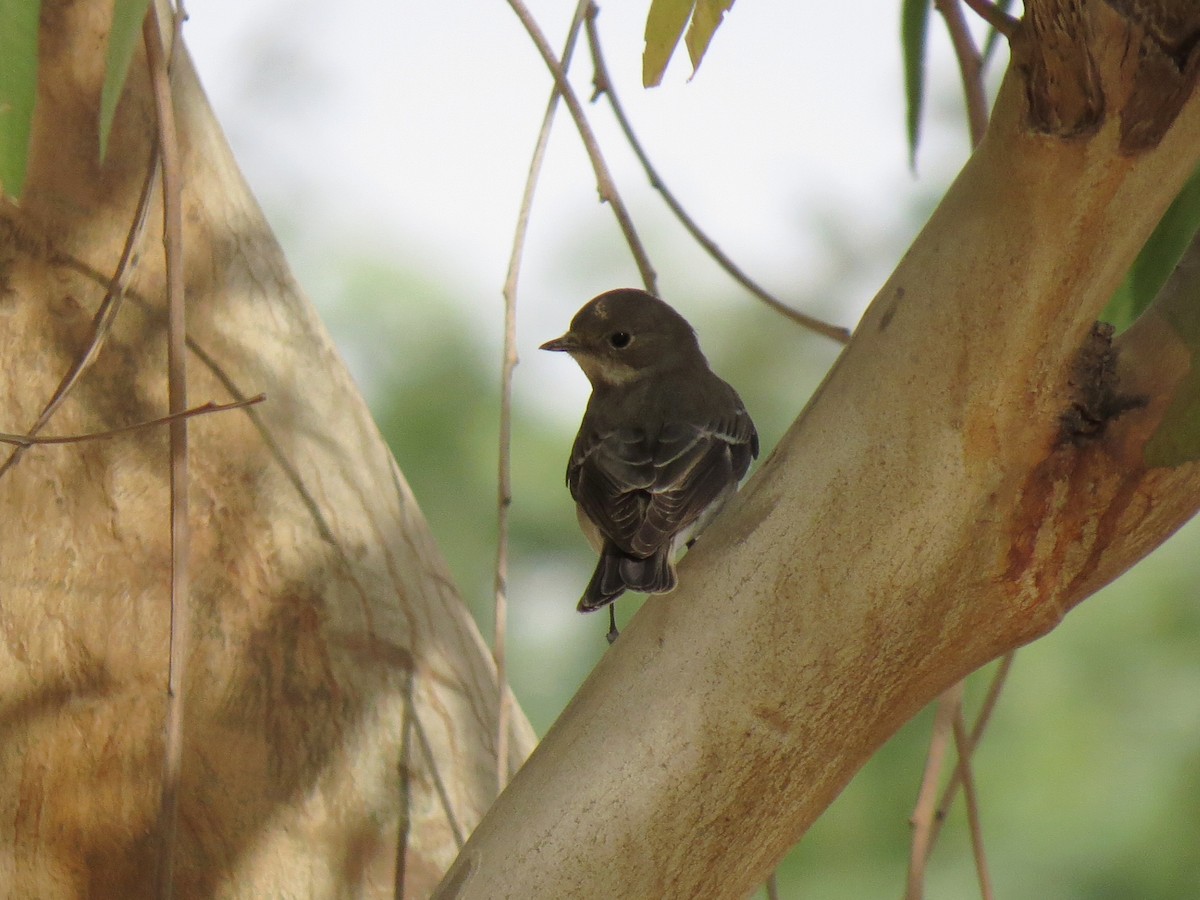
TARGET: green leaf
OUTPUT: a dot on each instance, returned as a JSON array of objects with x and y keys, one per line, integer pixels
[
  {"x": 914, "y": 23},
  {"x": 664, "y": 26},
  {"x": 122, "y": 38},
  {"x": 1177, "y": 438},
  {"x": 706, "y": 18},
  {"x": 18, "y": 88},
  {"x": 1158, "y": 258}
]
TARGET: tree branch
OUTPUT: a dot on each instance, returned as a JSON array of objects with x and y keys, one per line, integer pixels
[
  {"x": 504, "y": 481},
  {"x": 994, "y": 16},
  {"x": 168, "y": 143},
  {"x": 970, "y": 66},
  {"x": 882, "y": 555},
  {"x": 923, "y": 817},
  {"x": 31, "y": 440},
  {"x": 976, "y": 735},
  {"x": 604, "y": 85},
  {"x": 604, "y": 182},
  {"x": 964, "y": 748}
]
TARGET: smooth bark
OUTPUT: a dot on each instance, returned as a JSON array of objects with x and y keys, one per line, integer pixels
[{"x": 340, "y": 704}]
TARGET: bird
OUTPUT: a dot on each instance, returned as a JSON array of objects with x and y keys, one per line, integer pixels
[{"x": 662, "y": 444}]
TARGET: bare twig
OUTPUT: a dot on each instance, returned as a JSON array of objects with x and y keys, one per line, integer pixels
[
  {"x": 970, "y": 65},
  {"x": 31, "y": 440},
  {"x": 964, "y": 746},
  {"x": 604, "y": 85},
  {"x": 604, "y": 182},
  {"x": 977, "y": 730},
  {"x": 102, "y": 321},
  {"x": 773, "y": 886},
  {"x": 504, "y": 501},
  {"x": 922, "y": 820},
  {"x": 168, "y": 142},
  {"x": 994, "y": 16}
]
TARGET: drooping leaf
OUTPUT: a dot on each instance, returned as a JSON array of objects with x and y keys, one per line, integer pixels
[
  {"x": 1158, "y": 258},
  {"x": 1176, "y": 440},
  {"x": 18, "y": 88},
  {"x": 914, "y": 23},
  {"x": 664, "y": 26},
  {"x": 122, "y": 38},
  {"x": 706, "y": 18}
]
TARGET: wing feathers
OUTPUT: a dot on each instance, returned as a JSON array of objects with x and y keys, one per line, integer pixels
[{"x": 643, "y": 490}]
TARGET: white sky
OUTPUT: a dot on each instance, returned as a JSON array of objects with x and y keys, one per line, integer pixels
[{"x": 407, "y": 128}]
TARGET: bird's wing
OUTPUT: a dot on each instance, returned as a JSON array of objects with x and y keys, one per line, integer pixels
[{"x": 640, "y": 491}]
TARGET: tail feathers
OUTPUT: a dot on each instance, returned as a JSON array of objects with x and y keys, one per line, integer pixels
[{"x": 617, "y": 572}]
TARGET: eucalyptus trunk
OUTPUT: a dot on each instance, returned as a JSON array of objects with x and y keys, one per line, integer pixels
[{"x": 341, "y": 708}]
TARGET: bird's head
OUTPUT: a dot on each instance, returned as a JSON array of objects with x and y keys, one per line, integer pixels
[{"x": 626, "y": 334}]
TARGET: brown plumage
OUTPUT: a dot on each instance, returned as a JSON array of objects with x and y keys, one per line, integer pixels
[{"x": 663, "y": 441}]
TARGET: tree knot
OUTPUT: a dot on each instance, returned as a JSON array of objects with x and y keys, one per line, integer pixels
[{"x": 1095, "y": 386}]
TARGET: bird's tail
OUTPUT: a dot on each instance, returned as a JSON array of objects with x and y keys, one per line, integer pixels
[{"x": 617, "y": 572}]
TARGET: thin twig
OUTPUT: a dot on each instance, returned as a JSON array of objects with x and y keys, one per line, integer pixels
[
  {"x": 773, "y": 886},
  {"x": 168, "y": 141},
  {"x": 604, "y": 182},
  {"x": 106, "y": 313},
  {"x": 432, "y": 762},
  {"x": 923, "y": 812},
  {"x": 977, "y": 730},
  {"x": 504, "y": 500},
  {"x": 30, "y": 440},
  {"x": 962, "y": 742},
  {"x": 994, "y": 16},
  {"x": 604, "y": 85},
  {"x": 970, "y": 65}
]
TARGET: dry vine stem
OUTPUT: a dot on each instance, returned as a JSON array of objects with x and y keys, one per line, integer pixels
[
  {"x": 604, "y": 181},
  {"x": 603, "y": 85},
  {"x": 106, "y": 314},
  {"x": 504, "y": 481},
  {"x": 179, "y": 643},
  {"x": 31, "y": 440},
  {"x": 922, "y": 517}
]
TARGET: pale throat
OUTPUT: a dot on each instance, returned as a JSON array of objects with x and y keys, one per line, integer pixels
[{"x": 608, "y": 372}]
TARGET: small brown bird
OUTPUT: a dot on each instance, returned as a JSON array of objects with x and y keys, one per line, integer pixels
[{"x": 662, "y": 444}]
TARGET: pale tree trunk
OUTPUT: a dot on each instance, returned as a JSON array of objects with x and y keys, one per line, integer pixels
[
  {"x": 928, "y": 511},
  {"x": 341, "y": 706}
]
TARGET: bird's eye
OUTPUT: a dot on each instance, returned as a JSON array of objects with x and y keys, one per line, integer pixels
[{"x": 620, "y": 339}]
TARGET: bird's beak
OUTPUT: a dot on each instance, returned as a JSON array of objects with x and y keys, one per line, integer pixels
[{"x": 565, "y": 344}]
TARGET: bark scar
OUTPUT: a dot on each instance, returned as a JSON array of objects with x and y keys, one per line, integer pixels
[{"x": 1096, "y": 391}]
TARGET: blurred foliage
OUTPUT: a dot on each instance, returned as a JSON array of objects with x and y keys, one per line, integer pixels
[
  {"x": 19, "y": 21},
  {"x": 914, "y": 25},
  {"x": 18, "y": 89},
  {"x": 1158, "y": 257}
]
